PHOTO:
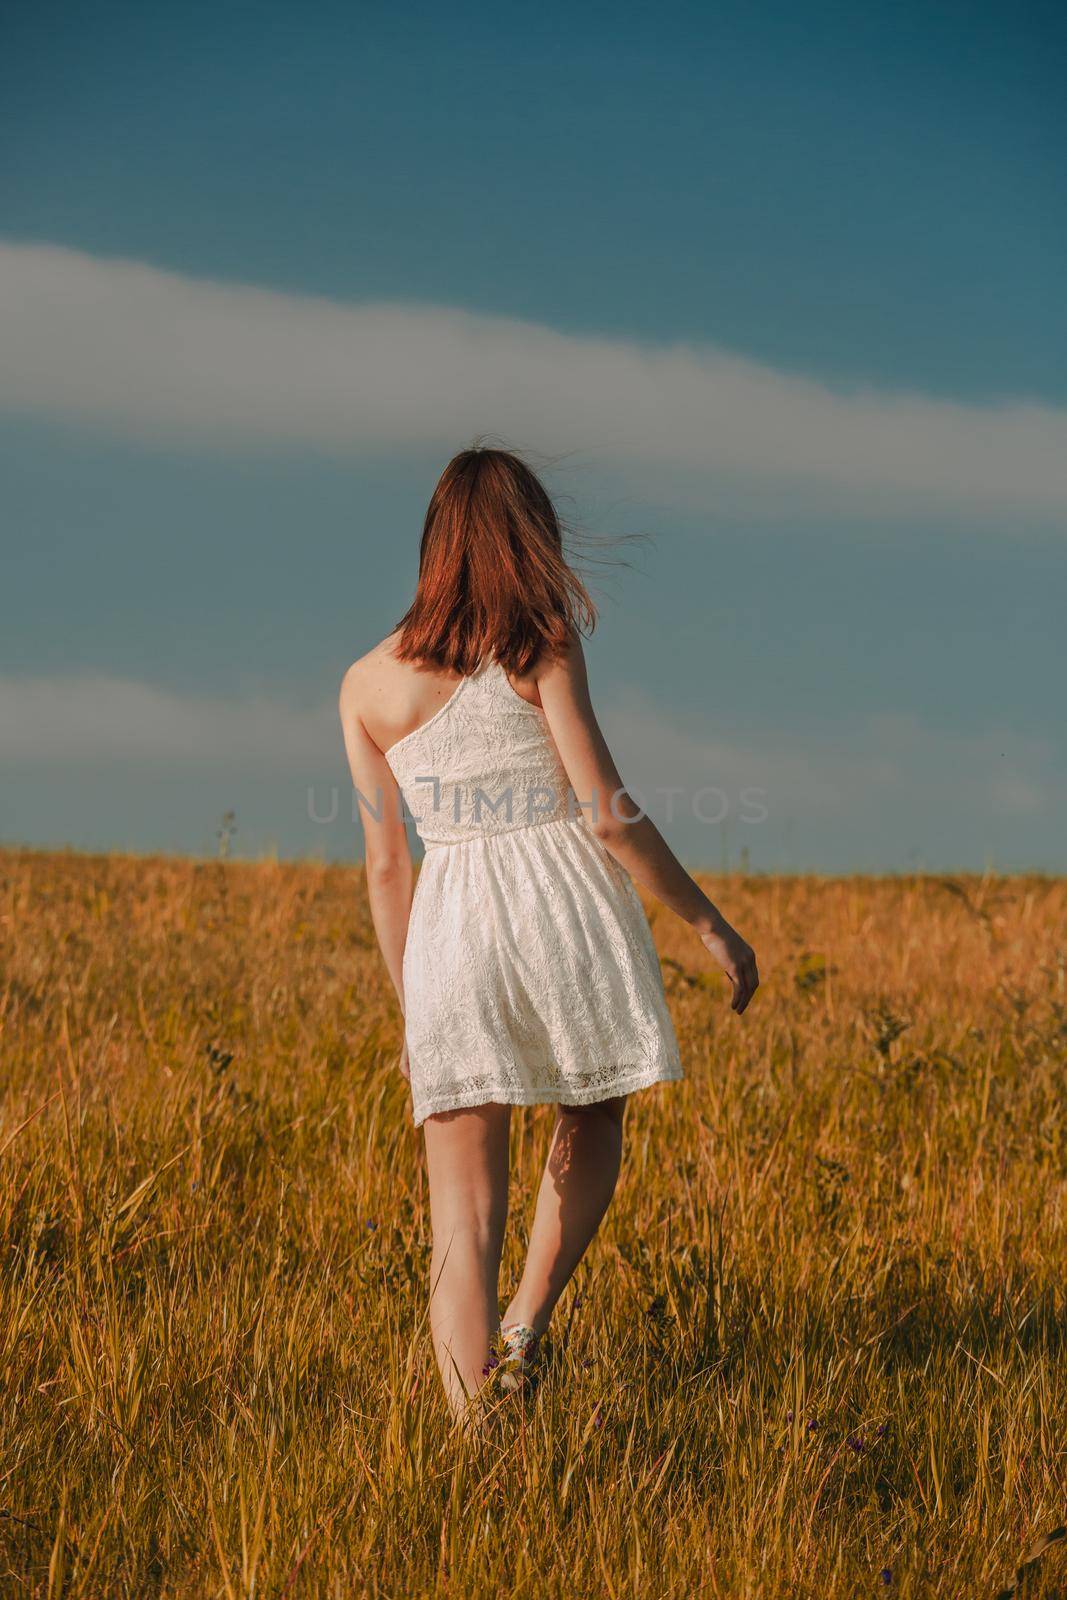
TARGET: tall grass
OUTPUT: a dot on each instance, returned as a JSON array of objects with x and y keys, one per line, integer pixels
[{"x": 818, "y": 1349}]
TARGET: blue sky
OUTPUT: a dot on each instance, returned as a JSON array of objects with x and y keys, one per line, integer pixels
[{"x": 779, "y": 287}]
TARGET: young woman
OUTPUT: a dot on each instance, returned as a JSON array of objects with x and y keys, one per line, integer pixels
[{"x": 523, "y": 962}]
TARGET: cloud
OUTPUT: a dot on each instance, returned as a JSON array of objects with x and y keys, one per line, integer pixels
[
  {"x": 83, "y": 751},
  {"x": 82, "y": 721},
  {"x": 150, "y": 353},
  {"x": 887, "y": 777}
]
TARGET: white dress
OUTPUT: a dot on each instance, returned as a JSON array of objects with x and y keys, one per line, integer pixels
[{"x": 529, "y": 970}]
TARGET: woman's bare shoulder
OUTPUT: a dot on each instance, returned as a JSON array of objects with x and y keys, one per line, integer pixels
[
  {"x": 566, "y": 663},
  {"x": 369, "y": 672}
]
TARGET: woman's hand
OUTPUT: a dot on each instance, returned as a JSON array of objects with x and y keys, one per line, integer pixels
[
  {"x": 402, "y": 1062},
  {"x": 736, "y": 958}
]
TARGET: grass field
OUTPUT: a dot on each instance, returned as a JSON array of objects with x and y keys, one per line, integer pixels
[{"x": 819, "y": 1348}]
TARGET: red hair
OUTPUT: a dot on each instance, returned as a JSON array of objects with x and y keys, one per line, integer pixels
[{"x": 493, "y": 580}]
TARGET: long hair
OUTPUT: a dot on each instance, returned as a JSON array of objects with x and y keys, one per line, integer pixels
[{"x": 493, "y": 579}]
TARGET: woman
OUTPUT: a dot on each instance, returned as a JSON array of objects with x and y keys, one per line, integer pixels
[{"x": 523, "y": 962}]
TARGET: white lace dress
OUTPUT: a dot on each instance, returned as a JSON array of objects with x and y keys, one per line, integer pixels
[{"x": 529, "y": 971}]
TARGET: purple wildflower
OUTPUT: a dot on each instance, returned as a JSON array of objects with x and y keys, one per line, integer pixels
[{"x": 886, "y": 1576}]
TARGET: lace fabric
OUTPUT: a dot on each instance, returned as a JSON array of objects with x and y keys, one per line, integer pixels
[{"x": 530, "y": 974}]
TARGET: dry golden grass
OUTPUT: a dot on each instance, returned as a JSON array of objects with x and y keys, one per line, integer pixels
[{"x": 822, "y": 1333}]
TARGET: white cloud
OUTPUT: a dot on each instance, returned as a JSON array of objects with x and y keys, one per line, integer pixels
[
  {"x": 886, "y": 766},
  {"x": 80, "y": 721},
  {"x": 152, "y": 353}
]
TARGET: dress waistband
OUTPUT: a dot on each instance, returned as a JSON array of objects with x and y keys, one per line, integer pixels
[{"x": 430, "y": 845}]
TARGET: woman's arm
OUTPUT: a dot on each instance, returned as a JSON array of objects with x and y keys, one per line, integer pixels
[
  {"x": 633, "y": 840},
  {"x": 386, "y": 852}
]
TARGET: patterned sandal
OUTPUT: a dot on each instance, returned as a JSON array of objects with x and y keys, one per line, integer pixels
[{"x": 519, "y": 1351}]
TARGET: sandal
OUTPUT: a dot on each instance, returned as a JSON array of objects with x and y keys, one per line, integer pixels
[{"x": 519, "y": 1348}]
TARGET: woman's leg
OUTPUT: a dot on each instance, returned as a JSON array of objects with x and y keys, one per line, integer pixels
[
  {"x": 467, "y": 1166},
  {"x": 576, "y": 1189}
]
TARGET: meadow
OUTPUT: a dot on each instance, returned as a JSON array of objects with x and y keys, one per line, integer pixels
[{"x": 818, "y": 1350}]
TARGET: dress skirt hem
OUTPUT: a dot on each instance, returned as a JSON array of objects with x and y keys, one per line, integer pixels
[{"x": 548, "y": 1094}]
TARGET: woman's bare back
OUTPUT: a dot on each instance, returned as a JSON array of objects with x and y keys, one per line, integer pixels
[{"x": 396, "y": 697}]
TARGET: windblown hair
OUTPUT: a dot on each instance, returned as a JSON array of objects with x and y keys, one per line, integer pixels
[{"x": 493, "y": 580}]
